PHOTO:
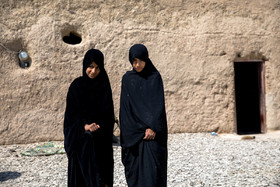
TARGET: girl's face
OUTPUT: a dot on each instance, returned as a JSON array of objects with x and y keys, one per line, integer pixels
[
  {"x": 93, "y": 70},
  {"x": 138, "y": 65}
]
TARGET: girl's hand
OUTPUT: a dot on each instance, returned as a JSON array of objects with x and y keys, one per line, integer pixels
[
  {"x": 149, "y": 134},
  {"x": 92, "y": 127}
]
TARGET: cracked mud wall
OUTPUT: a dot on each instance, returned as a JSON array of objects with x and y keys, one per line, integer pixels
[{"x": 192, "y": 43}]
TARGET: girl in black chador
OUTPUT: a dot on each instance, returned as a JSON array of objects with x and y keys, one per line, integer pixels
[
  {"x": 88, "y": 125},
  {"x": 143, "y": 122}
]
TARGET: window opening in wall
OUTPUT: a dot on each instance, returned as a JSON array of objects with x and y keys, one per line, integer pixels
[
  {"x": 72, "y": 38},
  {"x": 249, "y": 97}
]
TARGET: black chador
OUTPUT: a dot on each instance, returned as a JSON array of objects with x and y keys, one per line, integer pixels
[
  {"x": 142, "y": 107},
  {"x": 90, "y": 154}
]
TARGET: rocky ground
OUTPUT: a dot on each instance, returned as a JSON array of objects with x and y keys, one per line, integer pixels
[{"x": 199, "y": 159}]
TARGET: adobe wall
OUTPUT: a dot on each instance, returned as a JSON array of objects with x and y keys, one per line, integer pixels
[{"x": 192, "y": 43}]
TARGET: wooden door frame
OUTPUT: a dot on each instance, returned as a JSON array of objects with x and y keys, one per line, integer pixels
[{"x": 261, "y": 83}]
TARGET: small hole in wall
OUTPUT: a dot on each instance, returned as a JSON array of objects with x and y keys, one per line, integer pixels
[{"x": 72, "y": 38}]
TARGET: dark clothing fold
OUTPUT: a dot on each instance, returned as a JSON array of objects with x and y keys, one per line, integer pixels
[
  {"x": 82, "y": 166},
  {"x": 142, "y": 106},
  {"x": 145, "y": 164},
  {"x": 90, "y": 154}
]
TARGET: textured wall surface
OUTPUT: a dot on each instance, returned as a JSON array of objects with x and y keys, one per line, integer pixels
[{"x": 192, "y": 43}]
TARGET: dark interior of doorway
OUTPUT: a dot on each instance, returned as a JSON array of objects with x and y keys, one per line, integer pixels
[{"x": 247, "y": 96}]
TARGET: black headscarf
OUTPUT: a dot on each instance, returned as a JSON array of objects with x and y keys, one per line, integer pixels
[
  {"x": 142, "y": 102},
  {"x": 93, "y": 55},
  {"x": 140, "y": 51}
]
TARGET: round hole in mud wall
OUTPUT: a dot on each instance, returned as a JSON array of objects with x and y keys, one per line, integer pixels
[{"x": 72, "y": 38}]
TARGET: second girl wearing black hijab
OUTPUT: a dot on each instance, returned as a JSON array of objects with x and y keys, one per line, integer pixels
[
  {"x": 143, "y": 122},
  {"x": 88, "y": 125}
]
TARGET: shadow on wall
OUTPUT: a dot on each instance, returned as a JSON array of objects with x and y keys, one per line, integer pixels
[
  {"x": 7, "y": 175},
  {"x": 16, "y": 47}
]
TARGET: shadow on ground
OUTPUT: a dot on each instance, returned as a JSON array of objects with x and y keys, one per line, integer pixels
[{"x": 7, "y": 175}]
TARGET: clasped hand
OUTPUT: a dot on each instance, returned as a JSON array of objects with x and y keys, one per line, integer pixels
[
  {"x": 149, "y": 134},
  {"x": 92, "y": 127}
]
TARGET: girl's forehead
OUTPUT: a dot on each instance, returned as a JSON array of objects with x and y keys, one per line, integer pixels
[
  {"x": 137, "y": 59},
  {"x": 93, "y": 64}
]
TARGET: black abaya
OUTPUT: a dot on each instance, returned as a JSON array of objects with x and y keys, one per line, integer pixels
[
  {"x": 142, "y": 106},
  {"x": 90, "y": 154}
]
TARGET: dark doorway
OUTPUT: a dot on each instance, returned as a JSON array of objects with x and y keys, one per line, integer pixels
[{"x": 249, "y": 96}]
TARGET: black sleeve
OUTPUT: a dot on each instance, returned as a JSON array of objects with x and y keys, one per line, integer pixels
[{"x": 73, "y": 121}]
